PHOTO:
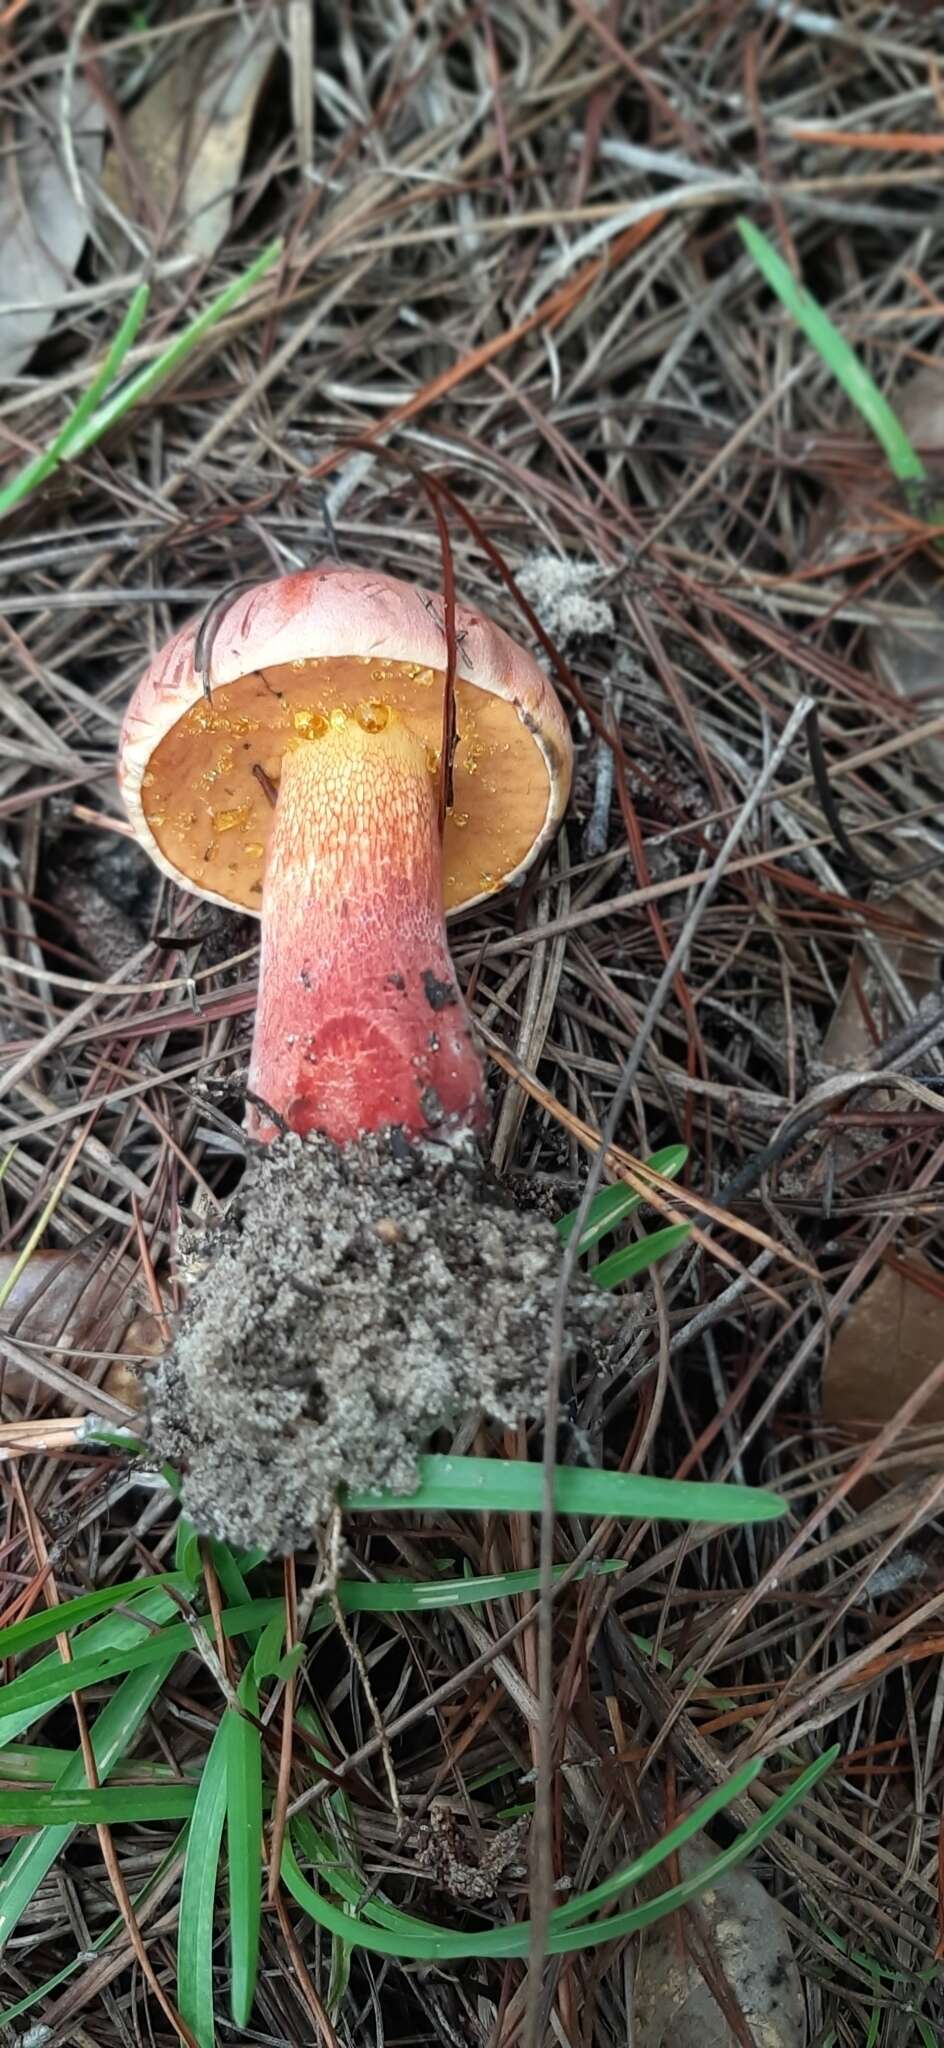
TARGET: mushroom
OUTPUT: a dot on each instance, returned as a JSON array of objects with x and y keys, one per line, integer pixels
[{"x": 302, "y": 785}]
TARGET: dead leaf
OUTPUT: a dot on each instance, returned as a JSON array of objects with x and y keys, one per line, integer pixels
[
  {"x": 43, "y": 227},
  {"x": 185, "y": 141},
  {"x": 849, "y": 1042},
  {"x": 920, "y": 408},
  {"x": 60, "y": 1299},
  {"x": 747, "y": 1933},
  {"x": 890, "y": 1341},
  {"x": 908, "y": 649},
  {"x": 907, "y": 645},
  {"x": 906, "y": 640}
]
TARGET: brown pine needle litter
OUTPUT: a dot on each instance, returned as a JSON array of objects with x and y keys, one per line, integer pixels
[{"x": 506, "y": 300}]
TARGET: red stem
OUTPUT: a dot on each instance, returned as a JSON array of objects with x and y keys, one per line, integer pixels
[{"x": 360, "y": 1024}]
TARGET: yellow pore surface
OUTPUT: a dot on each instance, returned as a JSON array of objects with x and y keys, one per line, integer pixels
[{"x": 211, "y": 816}]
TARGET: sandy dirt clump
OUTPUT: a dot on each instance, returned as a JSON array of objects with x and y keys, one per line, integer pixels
[{"x": 351, "y": 1301}]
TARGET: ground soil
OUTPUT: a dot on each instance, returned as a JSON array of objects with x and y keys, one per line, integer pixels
[{"x": 350, "y": 1302}]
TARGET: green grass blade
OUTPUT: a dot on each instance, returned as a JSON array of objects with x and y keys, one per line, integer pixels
[
  {"x": 37, "y": 1691},
  {"x": 493, "y": 1485},
  {"x": 171, "y": 358},
  {"x": 198, "y": 1895},
  {"x": 247, "y": 1560},
  {"x": 888, "y": 1972},
  {"x": 339, "y": 1976},
  {"x": 720, "y": 1702},
  {"x": 31, "y": 1764},
  {"x": 637, "y": 1258},
  {"x": 338, "y": 1806},
  {"x": 50, "y": 1622},
  {"x": 28, "y": 1765},
  {"x": 187, "y": 1557},
  {"x": 566, "y": 1941},
  {"x": 115, "y": 1729},
  {"x": 503, "y": 1486},
  {"x": 244, "y": 1847},
  {"x": 401, "y": 1596},
  {"x": 267, "y": 1655},
  {"x": 875, "y": 2021},
  {"x": 350, "y": 1888},
  {"x": 440, "y": 1944},
  {"x": 836, "y": 353},
  {"x": 109, "y": 1805},
  {"x": 613, "y": 1204},
  {"x": 104, "y": 1637},
  {"x": 701, "y": 1816},
  {"x": 228, "y": 1572},
  {"x": 54, "y": 1680},
  {"x": 36, "y": 472}
]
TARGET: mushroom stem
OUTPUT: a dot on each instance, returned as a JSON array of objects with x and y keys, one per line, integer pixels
[{"x": 359, "y": 1023}]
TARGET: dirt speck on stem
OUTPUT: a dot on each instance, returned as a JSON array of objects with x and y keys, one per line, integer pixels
[{"x": 350, "y": 1302}]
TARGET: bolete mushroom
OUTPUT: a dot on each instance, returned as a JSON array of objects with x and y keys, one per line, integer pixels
[{"x": 303, "y": 786}]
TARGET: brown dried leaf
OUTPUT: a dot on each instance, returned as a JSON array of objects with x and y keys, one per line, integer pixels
[
  {"x": 920, "y": 408},
  {"x": 185, "y": 141},
  {"x": 889, "y": 1343},
  {"x": 745, "y": 1929},
  {"x": 906, "y": 642},
  {"x": 908, "y": 650},
  {"x": 43, "y": 227},
  {"x": 58, "y": 1300},
  {"x": 849, "y": 1042}
]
